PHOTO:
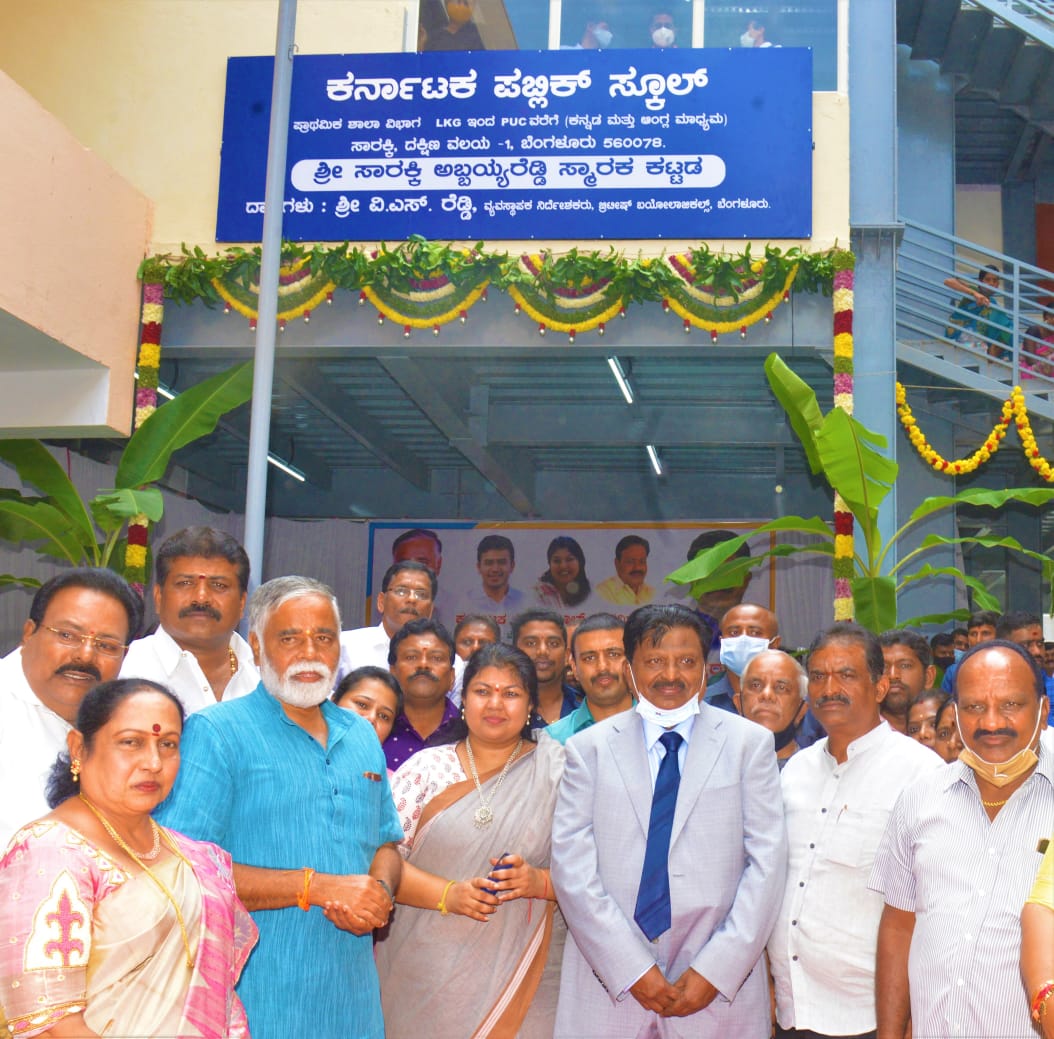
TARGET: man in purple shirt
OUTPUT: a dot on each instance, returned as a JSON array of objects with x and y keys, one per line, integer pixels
[{"x": 421, "y": 658}]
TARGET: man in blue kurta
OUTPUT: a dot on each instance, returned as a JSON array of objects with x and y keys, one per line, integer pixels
[{"x": 296, "y": 790}]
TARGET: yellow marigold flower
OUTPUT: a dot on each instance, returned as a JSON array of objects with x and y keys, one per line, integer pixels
[
  {"x": 135, "y": 555},
  {"x": 843, "y": 345},
  {"x": 843, "y": 609},
  {"x": 843, "y": 546},
  {"x": 149, "y": 355}
]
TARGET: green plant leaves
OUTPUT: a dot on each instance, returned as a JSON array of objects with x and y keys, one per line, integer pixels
[
  {"x": 112, "y": 509},
  {"x": 875, "y": 602},
  {"x": 983, "y": 599},
  {"x": 799, "y": 402},
  {"x": 985, "y": 498},
  {"x": 38, "y": 521},
  {"x": 853, "y": 467},
  {"x": 193, "y": 414}
]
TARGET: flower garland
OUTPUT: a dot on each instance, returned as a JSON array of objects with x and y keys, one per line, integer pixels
[
  {"x": 148, "y": 365},
  {"x": 430, "y": 303},
  {"x": 299, "y": 291},
  {"x": 1013, "y": 409},
  {"x": 569, "y": 307},
  {"x": 844, "y": 263}
]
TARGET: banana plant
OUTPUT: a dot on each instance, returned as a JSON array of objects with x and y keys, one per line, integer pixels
[
  {"x": 847, "y": 454},
  {"x": 59, "y": 524}
]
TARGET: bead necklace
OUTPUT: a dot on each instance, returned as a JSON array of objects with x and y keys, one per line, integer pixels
[
  {"x": 483, "y": 815},
  {"x": 233, "y": 659},
  {"x": 138, "y": 859}
]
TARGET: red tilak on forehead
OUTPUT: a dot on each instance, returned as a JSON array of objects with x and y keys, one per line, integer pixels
[{"x": 156, "y": 727}]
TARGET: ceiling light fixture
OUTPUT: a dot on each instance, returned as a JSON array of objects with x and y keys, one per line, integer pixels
[
  {"x": 653, "y": 457},
  {"x": 621, "y": 378}
]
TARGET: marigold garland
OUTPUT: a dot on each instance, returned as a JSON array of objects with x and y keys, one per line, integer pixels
[
  {"x": 300, "y": 290},
  {"x": 844, "y": 263},
  {"x": 1013, "y": 409}
]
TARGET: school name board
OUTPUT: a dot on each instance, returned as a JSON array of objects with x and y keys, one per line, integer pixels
[{"x": 709, "y": 143}]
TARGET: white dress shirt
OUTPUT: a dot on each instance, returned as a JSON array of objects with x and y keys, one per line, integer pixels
[
  {"x": 822, "y": 951},
  {"x": 966, "y": 877},
  {"x": 362, "y": 647},
  {"x": 31, "y": 736},
  {"x": 159, "y": 658}
]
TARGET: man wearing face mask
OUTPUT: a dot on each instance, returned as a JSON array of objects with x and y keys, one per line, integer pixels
[
  {"x": 663, "y": 31},
  {"x": 669, "y": 853},
  {"x": 959, "y": 858},
  {"x": 460, "y": 32},
  {"x": 597, "y": 36},
  {"x": 746, "y": 630}
]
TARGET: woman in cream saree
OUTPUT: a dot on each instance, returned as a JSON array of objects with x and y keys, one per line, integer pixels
[{"x": 458, "y": 962}]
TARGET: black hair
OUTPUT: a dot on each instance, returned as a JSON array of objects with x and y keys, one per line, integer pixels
[
  {"x": 360, "y": 674},
  {"x": 983, "y": 618},
  {"x": 930, "y": 694},
  {"x": 495, "y": 543},
  {"x": 493, "y": 654},
  {"x": 1038, "y": 674},
  {"x": 1016, "y": 619},
  {"x": 572, "y": 546},
  {"x": 413, "y": 566},
  {"x": 206, "y": 542},
  {"x": 915, "y": 642},
  {"x": 419, "y": 626},
  {"x": 957, "y": 632},
  {"x": 99, "y": 705},
  {"x": 628, "y": 542},
  {"x": 847, "y": 631},
  {"x": 539, "y": 615},
  {"x": 413, "y": 535},
  {"x": 942, "y": 639},
  {"x": 95, "y": 579},
  {"x": 709, "y": 538},
  {"x": 477, "y": 618},
  {"x": 653, "y": 622},
  {"x": 597, "y": 622}
]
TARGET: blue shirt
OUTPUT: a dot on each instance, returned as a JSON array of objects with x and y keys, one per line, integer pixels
[
  {"x": 570, "y": 702},
  {"x": 258, "y": 785}
]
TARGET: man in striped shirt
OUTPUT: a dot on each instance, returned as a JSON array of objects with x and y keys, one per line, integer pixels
[{"x": 959, "y": 858}]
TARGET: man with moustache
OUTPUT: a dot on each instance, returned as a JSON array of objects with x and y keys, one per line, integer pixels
[
  {"x": 909, "y": 670},
  {"x": 421, "y": 659},
  {"x": 408, "y": 591},
  {"x": 959, "y": 859},
  {"x": 773, "y": 691},
  {"x": 669, "y": 853},
  {"x": 201, "y": 579},
  {"x": 297, "y": 791},
  {"x": 78, "y": 628},
  {"x": 542, "y": 635},
  {"x": 597, "y": 654},
  {"x": 627, "y": 587},
  {"x": 422, "y": 545},
  {"x": 837, "y": 797}
]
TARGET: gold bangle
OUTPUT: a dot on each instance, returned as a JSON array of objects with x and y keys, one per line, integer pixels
[
  {"x": 442, "y": 899},
  {"x": 301, "y": 899}
]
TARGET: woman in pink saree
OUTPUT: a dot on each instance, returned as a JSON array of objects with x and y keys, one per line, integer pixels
[
  {"x": 112, "y": 925},
  {"x": 474, "y": 947}
]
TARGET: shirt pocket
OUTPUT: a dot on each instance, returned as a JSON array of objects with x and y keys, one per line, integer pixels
[{"x": 855, "y": 837}]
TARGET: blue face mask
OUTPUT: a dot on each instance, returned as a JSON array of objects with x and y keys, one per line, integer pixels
[
  {"x": 736, "y": 652},
  {"x": 959, "y": 654}
]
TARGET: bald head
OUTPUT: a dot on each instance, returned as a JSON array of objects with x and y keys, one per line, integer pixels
[
  {"x": 753, "y": 620},
  {"x": 772, "y": 691}
]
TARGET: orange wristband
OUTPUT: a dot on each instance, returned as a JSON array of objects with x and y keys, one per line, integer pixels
[{"x": 301, "y": 899}]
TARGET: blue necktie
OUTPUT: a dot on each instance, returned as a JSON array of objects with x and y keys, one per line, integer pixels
[{"x": 652, "y": 912}]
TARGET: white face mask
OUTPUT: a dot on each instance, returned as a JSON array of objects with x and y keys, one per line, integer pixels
[
  {"x": 662, "y": 36},
  {"x": 666, "y": 718},
  {"x": 746, "y": 40},
  {"x": 739, "y": 650},
  {"x": 603, "y": 37}
]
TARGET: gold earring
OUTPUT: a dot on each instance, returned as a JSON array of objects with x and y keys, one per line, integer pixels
[{"x": 75, "y": 769}]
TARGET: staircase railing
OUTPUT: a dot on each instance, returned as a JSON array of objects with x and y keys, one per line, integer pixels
[
  {"x": 1011, "y": 333},
  {"x": 1035, "y": 18}
]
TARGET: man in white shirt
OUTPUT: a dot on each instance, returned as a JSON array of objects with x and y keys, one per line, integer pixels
[
  {"x": 201, "y": 578},
  {"x": 837, "y": 797},
  {"x": 78, "y": 628},
  {"x": 408, "y": 591}
]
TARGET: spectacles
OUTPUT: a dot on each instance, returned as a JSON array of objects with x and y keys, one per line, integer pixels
[
  {"x": 402, "y": 592},
  {"x": 73, "y": 639}
]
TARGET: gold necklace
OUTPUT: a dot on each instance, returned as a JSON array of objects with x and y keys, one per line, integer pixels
[
  {"x": 994, "y": 804},
  {"x": 233, "y": 659},
  {"x": 120, "y": 842}
]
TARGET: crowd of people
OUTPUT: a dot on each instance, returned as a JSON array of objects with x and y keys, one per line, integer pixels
[{"x": 413, "y": 832}]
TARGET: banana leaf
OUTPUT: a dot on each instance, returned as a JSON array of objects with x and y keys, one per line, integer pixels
[
  {"x": 936, "y": 618},
  {"x": 40, "y": 521},
  {"x": 984, "y": 497},
  {"x": 853, "y": 467},
  {"x": 112, "y": 509},
  {"x": 875, "y": 602},
  {"x": 983, "y": 598},
  {"x": 191, "y": 415},
  {"x": 799, "y": 402}
]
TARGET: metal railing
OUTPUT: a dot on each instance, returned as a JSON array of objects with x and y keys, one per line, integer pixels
[
  {"x": 940, "y": 306},
  {"x": 1035, "y": 18}
]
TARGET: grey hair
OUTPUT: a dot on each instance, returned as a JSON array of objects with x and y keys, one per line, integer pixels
[
  {"x": 803, "y": 678},
  {"x": 272, "y": 594}
]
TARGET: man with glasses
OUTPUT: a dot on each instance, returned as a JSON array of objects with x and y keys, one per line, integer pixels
[
  {"x": 78, "y": 630},
  {"x": 201, "y": 577},
  {"x": 408, "y": 591}
]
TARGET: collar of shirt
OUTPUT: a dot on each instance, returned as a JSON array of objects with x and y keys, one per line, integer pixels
[
  {"x": 13, "y": 681},
  {"x": 403, "y": 725},
  {"x": 338, "y": 720},
  {"x": 656, "y": 751},
  {"x": 169, "y": 651},
  {"x": 958, "y": 772},
  {"x": 861, "y": 745}
]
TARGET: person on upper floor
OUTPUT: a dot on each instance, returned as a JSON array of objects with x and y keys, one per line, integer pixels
[{"x": 201, "y": 577}]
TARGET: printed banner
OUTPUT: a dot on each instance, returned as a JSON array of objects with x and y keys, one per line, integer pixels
[{"x": 711, "y": 143}]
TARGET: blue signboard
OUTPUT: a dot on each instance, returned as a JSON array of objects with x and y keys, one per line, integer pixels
[{"x": 527, "y": 144}]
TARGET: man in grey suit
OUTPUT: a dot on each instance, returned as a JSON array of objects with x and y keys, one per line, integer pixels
[{"x": 669, "y": 854}]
